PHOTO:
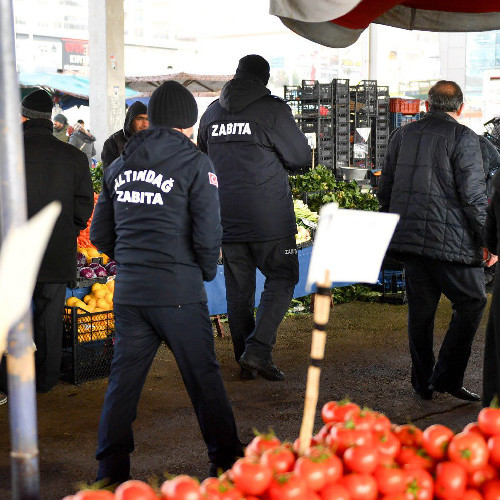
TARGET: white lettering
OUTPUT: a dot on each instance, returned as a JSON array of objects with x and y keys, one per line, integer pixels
[
  {"x": 120, "y": 195},
  {"x": 157, "y": 181},
  {"x": 149, "y": 196},
  {"x": 157, "y": 200},
  {"x": 151, "y": 175},
  {"x": 229, "y": 128},
  {"x": 214, "y": 130},
  {"x": 141, "y": 176},
  {"x": 127, "y": 174},
  {"x": 126, "y": 196},
  {"x": 167, "y": 185},
  {"x": 246, "y": 129},
  {"x": 136, "y": 197},
  {"x": 222, "y": 129}
]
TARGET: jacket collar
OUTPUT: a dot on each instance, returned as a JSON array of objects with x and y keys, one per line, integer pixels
[
  {"x": 438, "y": 113},
  {"x": 38, "y": 125}
]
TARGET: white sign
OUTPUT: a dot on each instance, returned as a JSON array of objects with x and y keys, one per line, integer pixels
[
  {"x": 350, "y": 245},
  {"x": 311, "y": 139}
]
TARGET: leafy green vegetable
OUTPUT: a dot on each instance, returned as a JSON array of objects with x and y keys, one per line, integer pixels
[{"x": 96, "y": 173}]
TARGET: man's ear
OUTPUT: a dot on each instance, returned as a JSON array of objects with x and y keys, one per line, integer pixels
[{"x": 460, "y": 109}]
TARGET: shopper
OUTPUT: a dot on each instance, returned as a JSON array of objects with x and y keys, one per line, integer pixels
[
  {"x": 83, "y": 140},
  {"x": 158, "y": 217},
  {"x": 253, "y": 140},
  {"x": 136, "y": 120},
  {"x": 61, "y": 127},
  {"x": 54, "y": 171},
  {"x": 433, "y": 178}
]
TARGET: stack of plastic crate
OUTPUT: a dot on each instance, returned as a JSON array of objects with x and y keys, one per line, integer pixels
[
  {"x": 403, "y": 111},
  {"x": 340, "y": 124},
  {"x": 380, "y": 133},
  {"x": 325, "y": 142},
  {"x": 308, "y": 107},
  {"x": 292, "y": 97}
]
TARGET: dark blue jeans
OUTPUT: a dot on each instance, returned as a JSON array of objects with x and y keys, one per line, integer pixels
[
  {"x": 187, "y": 331},
  {"x": 426, "y": 280},
  {"x": 278, "y": 261}
]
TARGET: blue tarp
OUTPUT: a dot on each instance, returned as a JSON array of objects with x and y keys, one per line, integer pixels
[{"x": 72, "y": 90}]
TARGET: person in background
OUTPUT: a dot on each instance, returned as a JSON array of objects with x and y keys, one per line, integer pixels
[
  {"x": 253, "y": 140},
  {"x": 433, "y": 178},
  {"x": 136, "y": 119},
  {"x": 83, "y": 140},
  {"x": 54, "y": 171},
  {"x": 491, "y": 162},
  {"x": 158, "y": 217},
  {"x": 61, "y": 127}
]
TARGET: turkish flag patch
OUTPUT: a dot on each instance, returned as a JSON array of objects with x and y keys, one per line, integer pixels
[{"x": 212, "y": 178}]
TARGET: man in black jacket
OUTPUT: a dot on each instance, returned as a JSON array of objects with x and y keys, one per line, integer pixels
[
  {"x": 433, "y": 178},
  {"x": 158, "y": 217},
  {"x": 54, "y": 171},
  {"x": 253, "y": 140},
  {"x": 136, "y": 120}
]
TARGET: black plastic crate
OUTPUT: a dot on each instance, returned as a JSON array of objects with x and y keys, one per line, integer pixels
[
  {"x": 309, "y": 90},
  {"x": 292, "y": 92},
  {"x": 88, "y": 344},
  {"x": 324, "y": 91}
]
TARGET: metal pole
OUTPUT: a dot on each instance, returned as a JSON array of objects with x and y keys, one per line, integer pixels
[{"x": 13, "y": 212}]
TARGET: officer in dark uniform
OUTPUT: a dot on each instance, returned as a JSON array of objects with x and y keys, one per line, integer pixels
[
  {"x": 253, "y": 140},
  {"x": 158, "y": 217}
]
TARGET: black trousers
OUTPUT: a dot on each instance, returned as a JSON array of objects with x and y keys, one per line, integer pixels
[
  {"x": 278, "y": 262},
  {"x": 426, "y": 280},
  {"x": 491, "y": 369},
  {"x": 187, "y": 331},
  {"x": 48, "y": 302}
]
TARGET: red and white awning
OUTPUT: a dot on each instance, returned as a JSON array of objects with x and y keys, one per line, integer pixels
[{"x": 339, "y": 23}]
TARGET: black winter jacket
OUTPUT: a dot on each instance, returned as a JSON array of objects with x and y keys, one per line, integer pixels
[
  {"x": 492, "y": 227},
  {"x": 253, "y": 140},
  {"x": 115, "y": 144},
  {"x": 433, "y": 178},
  {"x": 158, "y": 217},
  {"x": 57, "y": 171}
]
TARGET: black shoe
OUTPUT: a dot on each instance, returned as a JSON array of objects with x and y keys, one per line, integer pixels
[
  {"x": 248, "y": 374},
  {"x": 426, "y": 395},
  {"x": 265, "y": 367},
  {"x": 464, "y": 394}
]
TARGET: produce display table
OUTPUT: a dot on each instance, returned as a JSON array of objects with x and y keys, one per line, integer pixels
[{"x": 216, "y": 289}]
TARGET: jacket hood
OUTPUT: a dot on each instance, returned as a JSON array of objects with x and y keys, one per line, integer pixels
[
  {"x": 239, "y": 93},
  {"x": 40, "y": 123},
  {"x": 153, "y": 146},
  {"x": 137, "y": 108}
]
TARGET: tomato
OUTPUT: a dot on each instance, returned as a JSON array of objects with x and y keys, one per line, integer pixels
[
  {"x": 250, "y": 476},
  {"x": 135, "y": 490},
  {"x": 287, "y": 486},
  {"x": 220, "y": 489},
  {"x": 477, "y": 478},
  {"x": 362, "y": 419},
  {"x": 472, "y": 495},
  {"x": 382, "y": 423},
  {"x": 279, "y": 459},
  {"x": 388, "y": 446},
  {"x": 360, "y": 486},
  {"x": 334, "y": 411},
  {"x": 451, "y": 480},
  {"x": 312, "y": 470},
  {"x": 488, "y": 421},
  {"x": 261, "y": 443},
  {"x": 473, "y": 427},
  {"x": 93, "y": 495},
  {"x": 209, "y": 487},
  {"x": 491, "y": 490},
  {"x": 333, "y": 464},
  {"x": 345, "y": 435},
  {"x": 362, "y": 459},
  {"x": 408, "y": 435},
  {"x": 181, "y": 488},
  {"x": 320, "y": 437},
  {"x": 334, "y": 491},
  {"x": 419, "y": 484},
  {"x": 414, "y": 457},
  {"x": 312, "y": 442},
  {"x": 494, "y": 450},
  {"x": 390, "y": 479},
  {"x": 469, "y": 450},
  {"x": 435, "y": 440}
]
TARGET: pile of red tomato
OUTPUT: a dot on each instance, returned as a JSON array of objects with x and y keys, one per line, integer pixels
[{"x": 357, "y": 455}]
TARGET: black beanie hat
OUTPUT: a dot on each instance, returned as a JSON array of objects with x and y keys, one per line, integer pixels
[
  {"x": 253, "y": 65},
  {"x": 172, "y": 105},
  {"x": 38, "y": 104},
  {"x": 61, "y": 119}
]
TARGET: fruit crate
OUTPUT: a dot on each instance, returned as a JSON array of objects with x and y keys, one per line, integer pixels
[
  {"x": 88, "y": 344},
  {"x": 406, "y": 106},
  {"x": 400, "y": 119}
]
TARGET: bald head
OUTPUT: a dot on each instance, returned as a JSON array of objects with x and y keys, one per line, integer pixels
[{"x": 445, "y": 96}]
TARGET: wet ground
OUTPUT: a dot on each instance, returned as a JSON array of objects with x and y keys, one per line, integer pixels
[{"x": 366, "y": 359}]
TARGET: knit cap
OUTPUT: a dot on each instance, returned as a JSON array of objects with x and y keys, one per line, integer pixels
[
  {"x": 253, "y": 65},
  {"x": 61, "y": 119},
  {"x": 37, "y": 104},
  {"x": 172, "y": 105}
]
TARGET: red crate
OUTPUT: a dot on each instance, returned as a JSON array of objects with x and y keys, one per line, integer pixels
[{"x": 406, "y": 106}]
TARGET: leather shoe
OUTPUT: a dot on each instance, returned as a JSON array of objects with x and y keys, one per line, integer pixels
[
  {"x": 426, "y": 395},
  {"x": 264, "y": 367},
  {"x": 248, "y": 374},
  {"x": 464, "y": 394}
]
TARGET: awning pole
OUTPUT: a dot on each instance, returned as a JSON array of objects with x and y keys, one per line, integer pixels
[{"x": 20, "y": 360}]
